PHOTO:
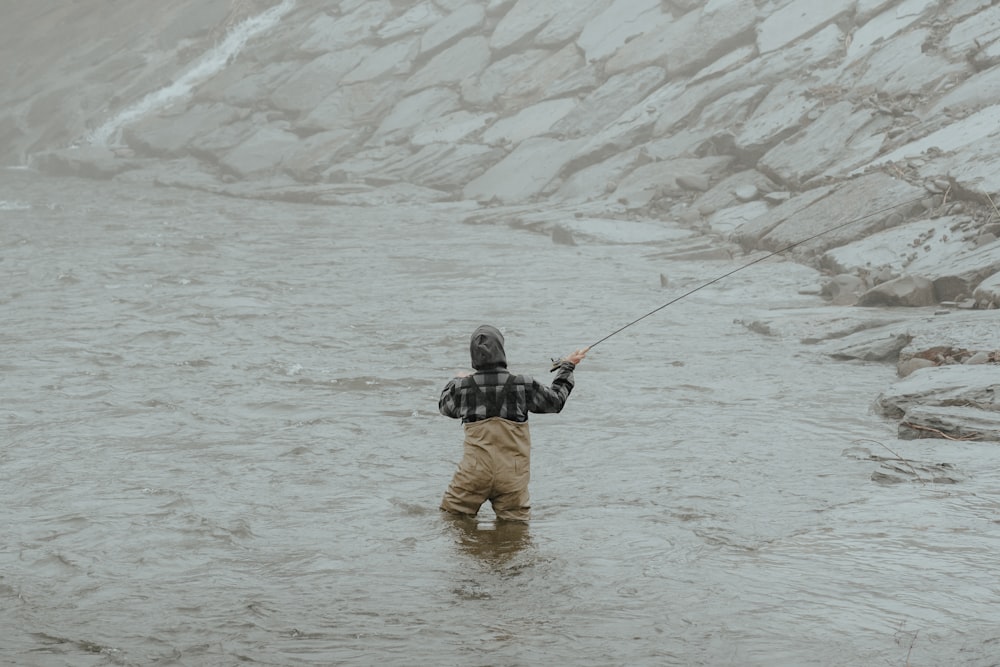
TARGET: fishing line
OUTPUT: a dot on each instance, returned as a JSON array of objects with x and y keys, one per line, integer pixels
[{"x": 749, "y": 264}]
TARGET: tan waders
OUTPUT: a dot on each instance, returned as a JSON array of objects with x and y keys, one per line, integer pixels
[{"x": 494, "y": 467}]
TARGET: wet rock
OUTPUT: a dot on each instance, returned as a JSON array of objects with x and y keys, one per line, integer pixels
[
  {"x": 950, "y": 422},
  {"x": 169, "y": 136},
  {"x": 971, "y": 386},
  {"x": 912, "y": 291},
  {"x": 884, "y": 348}
]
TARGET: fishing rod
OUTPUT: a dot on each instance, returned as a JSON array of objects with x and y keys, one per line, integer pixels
[{"x": 749, "y": 264}]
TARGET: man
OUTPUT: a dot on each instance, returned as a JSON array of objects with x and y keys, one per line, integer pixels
[{"x": 493, "y": 405}]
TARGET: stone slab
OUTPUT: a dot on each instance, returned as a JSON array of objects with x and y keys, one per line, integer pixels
[
  {"x": 525, "y": 172},
  {"x": 798, "y": 19}
]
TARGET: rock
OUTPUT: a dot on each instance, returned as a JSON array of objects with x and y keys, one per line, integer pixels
[
  {"x": 395, "y": 58},
  {"x": 951, "y": 422},
  {"x": 486, "y": 91},
  {"x": 844, "y": 289},
  {"x": 310, "y": 84},
  {"x": 746, "y": 193},
  {"x": 978, "y": 358},
  {"x": 697, "y": 38},
  {"x": 415, "y": 110},
  {"x": 609, "y": 101},
  {"x": 416, "y": 20},
  {"x": 327, "y": 33},
  {"x": 457, "y": 24},
  {"x": 525, "y": 172},
  {"x": 451, "y": 128},
  {"x": 988, "y": 291},
  {"x": 884, "y": 348},
  {"x": 88, "y": 162},
  {"x": 970, "y": 386},
  {"x": 525, "y": 18},
  {"x": 566, "y": 25},
  {"x": 528, "y": 122},
  {"x": 912, "y": 291},
  {"x": 261, "y": 153},
  {"x": 621, "y": 21},
  {"x": 658, "y": 179},
  {"x": 908, "y": 366},
  {"x": 865, "y": 204},
  {"x": 468, "y": 57},
  {"x": 169, "y": 136},
  {"x": 798, "y": 19},
  {"x": 841, "y": 139}
]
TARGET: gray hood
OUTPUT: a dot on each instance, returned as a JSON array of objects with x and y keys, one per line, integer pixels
[{"x": 486, "y": 348}]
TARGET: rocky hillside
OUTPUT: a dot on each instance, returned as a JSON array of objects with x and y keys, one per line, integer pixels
[{"x": 875, "y": 123}]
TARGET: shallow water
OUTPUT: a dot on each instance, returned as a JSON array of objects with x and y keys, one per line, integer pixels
[{"x": 220, "y": 445}]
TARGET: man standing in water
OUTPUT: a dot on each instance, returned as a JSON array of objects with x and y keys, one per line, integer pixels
[{"x": 493, "y": 405}]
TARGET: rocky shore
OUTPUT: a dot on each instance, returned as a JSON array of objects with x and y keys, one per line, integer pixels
[{"x": 859, "y": 137}]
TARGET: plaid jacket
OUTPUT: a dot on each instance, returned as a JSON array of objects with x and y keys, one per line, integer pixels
[{"x": 499, "y": 393}]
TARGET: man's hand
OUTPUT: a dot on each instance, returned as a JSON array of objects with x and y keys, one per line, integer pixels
[{"x": 577, "y": 356}]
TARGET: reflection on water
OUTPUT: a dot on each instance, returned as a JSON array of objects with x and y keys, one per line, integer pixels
[{"x": 492, "y": 544}]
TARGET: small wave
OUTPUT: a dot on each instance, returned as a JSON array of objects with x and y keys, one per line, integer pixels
[{"x": 14, "y": 205}]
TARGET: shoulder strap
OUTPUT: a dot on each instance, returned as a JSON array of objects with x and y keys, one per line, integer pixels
[{"x": 494, "y": 400}]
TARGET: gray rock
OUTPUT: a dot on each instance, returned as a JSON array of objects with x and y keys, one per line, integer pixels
[
  {"x": 487, "y": 90},
  {"x": 798, "y": 19},
  {"x": 417, "y": 19},
  {"x": 865, "y": 204},
  {"x": 566, "y": 25},
  {"x": 907, "y": 366},
  {"x": 696, "y": 39},
  {"x": 950, "y": 422},
  {"x": 844, "y": 289},
  {"x": 395, "y": 58},
  {"x": 620, "y": 22},
  {"x": 525, "y": 172},
  {"x": 528, "y": 122},
  {"x": 652, "y": 181},
  {"x": 972, "y": 386},
  {"x": 353, "y": 106},
  {"x": 459, "y": 23},
  {"x": 524, "y": 18},
  {"x": 328, "y": 33},
  {"x": 912, "y": 291},
  {"x": 609, "y": 101},
  {"x": 310, "y": 84},
  {"x": 978, "y": 358},
  {"x": 883, "y": 348},
  {"x": 261, "y": 153},
  {"x": 169, "y": 136},
  {"x": 415, "y": 110},
  {"x": 468, "y": 57},
  {"x": 988, "y": 291},
  {"x": 841, "y": 139}
]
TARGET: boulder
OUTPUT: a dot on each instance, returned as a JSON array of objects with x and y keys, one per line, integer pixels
[
  {"x": 527, "y": 17},
  {"x": 912, "y": 291},
  {"x": 169, "y": 136},
  {"x": 261, "y": 153},
  {"x": 987, "y": 294},
  {"x": 528, "y": 122},
  {"x": 609, "y": 101},
  {"x": 970, "y": 386},
  {"x": 352, "y": 106},
  {"x": 416, "y": 20},
  {"x": 485, "y": 90},
  {"x": 844, "y": 289},
  {"x": 950, "y": 422},
  {"x": 393, "y": 59},
  {"x": 311, "y": 83},
  {"x": 415, "y": 110},
  {"x": 882, "y": 348}
]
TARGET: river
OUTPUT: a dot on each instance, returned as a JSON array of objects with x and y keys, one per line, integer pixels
[{"x": 220, "y": 446}]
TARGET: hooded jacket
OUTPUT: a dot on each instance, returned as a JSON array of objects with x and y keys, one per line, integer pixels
[{"x": 492, "y": 391}]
